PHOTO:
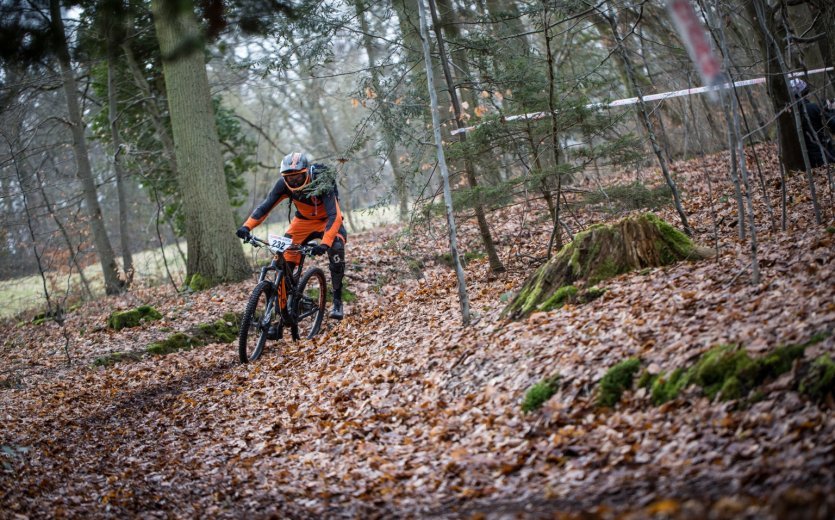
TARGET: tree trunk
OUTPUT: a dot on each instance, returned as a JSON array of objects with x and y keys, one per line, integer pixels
[
  {"x": 113, "y": 119},
  {"x": 793, "y": 155},
  {"x": 113, "y": 282},
  {"x": 484, "y": 229},
  {"x": 463, "y": 299},
  {"x": 213, "y": 251}
]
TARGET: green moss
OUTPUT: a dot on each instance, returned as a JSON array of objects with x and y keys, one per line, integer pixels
[
  {"x": 646, "y": 380},
  {"x": 830, "y": 229},
  {"x": 224, "y": 330},
  {"x": 779, "y": 361},
  {"x": 616, "y": 380},
  {"x": 560, "y": 297},
  {"x": 174, "y": 343},
  {"x": 677, "y": 241},
  {"x": 592, "y": 293},
  {"x": 605, "y": 270},
  {"x": 720, "y": 363},
  {"x": 116, "y": 357},
  {"x": 133, "y": 317},
  {"x": 536, "y": 395},
  {"x": 668, "y": 387},
  {"x": 819, "y": 380},
  {"x": 198, "y": 282},
  {"x": 732, "y": 389}
]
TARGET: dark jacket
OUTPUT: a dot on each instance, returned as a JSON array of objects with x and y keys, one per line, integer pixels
[{"x": 821, "y": 122}]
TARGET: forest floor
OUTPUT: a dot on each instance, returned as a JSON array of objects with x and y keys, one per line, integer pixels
[{"x": 399, "y": 410}]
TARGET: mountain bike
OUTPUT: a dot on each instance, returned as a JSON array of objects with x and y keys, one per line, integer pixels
[{"x": 282, "y": 299}]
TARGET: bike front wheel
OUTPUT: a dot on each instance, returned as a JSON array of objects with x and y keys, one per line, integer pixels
[
  {"x": 256, "y": 321},
  {"x": 309, "y": 307}
]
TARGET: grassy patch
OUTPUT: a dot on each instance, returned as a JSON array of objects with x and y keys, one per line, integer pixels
[
  {"x": 536, "y": 395},
  {"x": 132, "y": 318},
  {"x": 617, "y": 379}
]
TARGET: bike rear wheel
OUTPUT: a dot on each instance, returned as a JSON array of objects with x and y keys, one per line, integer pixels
[
  {"x": 256, "y": 321},
  {"x": 309, "y": 307}
]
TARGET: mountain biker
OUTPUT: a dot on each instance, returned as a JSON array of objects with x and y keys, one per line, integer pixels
[
  {"x": 312, "y": 188},
  {"x": 815, "y": 121}
]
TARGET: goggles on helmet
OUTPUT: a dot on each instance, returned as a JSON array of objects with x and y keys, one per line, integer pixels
[{"x": 296, "y": 179}]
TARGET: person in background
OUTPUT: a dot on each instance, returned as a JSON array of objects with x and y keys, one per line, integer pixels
[{"x": 815, "y": 122}]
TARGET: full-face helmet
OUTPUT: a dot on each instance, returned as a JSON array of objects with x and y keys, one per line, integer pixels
[{"x": 294, "y": 170}]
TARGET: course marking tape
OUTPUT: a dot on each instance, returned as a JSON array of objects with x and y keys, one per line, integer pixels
[{"x": 533, "y": 116}]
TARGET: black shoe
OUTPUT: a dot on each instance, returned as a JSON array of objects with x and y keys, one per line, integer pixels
[
  {"x": 336, "y": 312},
  {"x": 274, "y": 332}
]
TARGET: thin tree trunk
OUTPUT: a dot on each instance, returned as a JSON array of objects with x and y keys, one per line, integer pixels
[
  {"x": 737, "y": 132},
  {"x": 113, "y": 282},
  {"x": 463, "y": 299},
  {"x": 642, "y": 108},
  {"x": 65, "y": 235},
  {"x": 556, "y": 236},
  {"x": 484, "y": 229},
  {"x": 116, "y": 138}
]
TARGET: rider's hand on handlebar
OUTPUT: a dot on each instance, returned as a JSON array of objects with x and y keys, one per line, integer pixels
[
  {"x": 320, "y": 249},
  {"x": 243, "y": 232}
]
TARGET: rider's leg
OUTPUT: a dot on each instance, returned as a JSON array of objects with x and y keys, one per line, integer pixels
[{"x": 336, "y": 261}]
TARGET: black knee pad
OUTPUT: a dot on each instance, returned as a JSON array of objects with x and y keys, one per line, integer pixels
[{"x": 336, "y": 257}]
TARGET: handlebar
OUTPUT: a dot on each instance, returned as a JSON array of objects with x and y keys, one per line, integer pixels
[{"x": 257, "y": 242}]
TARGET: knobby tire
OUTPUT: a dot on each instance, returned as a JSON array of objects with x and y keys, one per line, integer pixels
[
  {"x": 306, "y": 307},
  {"x": 265, "y": 288}
]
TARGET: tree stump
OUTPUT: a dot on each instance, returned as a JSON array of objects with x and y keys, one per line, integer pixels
[{"x": 601, "y": 252}]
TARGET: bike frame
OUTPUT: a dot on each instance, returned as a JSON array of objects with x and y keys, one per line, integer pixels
[{"x": 284, "y": 287}]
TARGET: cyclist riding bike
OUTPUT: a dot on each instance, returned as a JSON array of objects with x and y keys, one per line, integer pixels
[{"x": 318, "y": 216}]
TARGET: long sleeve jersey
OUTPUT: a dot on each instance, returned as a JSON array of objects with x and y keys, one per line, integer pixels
[{"x": 308, "y": 207}]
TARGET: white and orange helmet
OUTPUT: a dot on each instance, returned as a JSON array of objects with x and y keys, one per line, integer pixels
[{"x": 294, "y": 170}]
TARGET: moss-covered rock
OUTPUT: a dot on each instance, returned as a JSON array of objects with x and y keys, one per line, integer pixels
[
  {"x": 133, "y": 317},
  {"x": 604, "y": 251},
  {"x": 224, "y": 330},
  {"x": 818, "y": 381},
  {"x": 536, "y": 395},
  {"x": 173, "y": 343},
  {"x": 721, "y": 363},
  {"x": 616, "y": 380}
]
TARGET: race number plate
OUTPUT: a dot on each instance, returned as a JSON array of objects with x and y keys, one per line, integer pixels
[{"x": 279, "y": 243}]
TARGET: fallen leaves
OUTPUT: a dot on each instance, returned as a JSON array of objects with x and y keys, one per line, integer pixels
[{"x": 400, "y": 410}]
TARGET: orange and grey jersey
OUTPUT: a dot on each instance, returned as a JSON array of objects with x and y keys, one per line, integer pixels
[{"x": 323, "y": 207}]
